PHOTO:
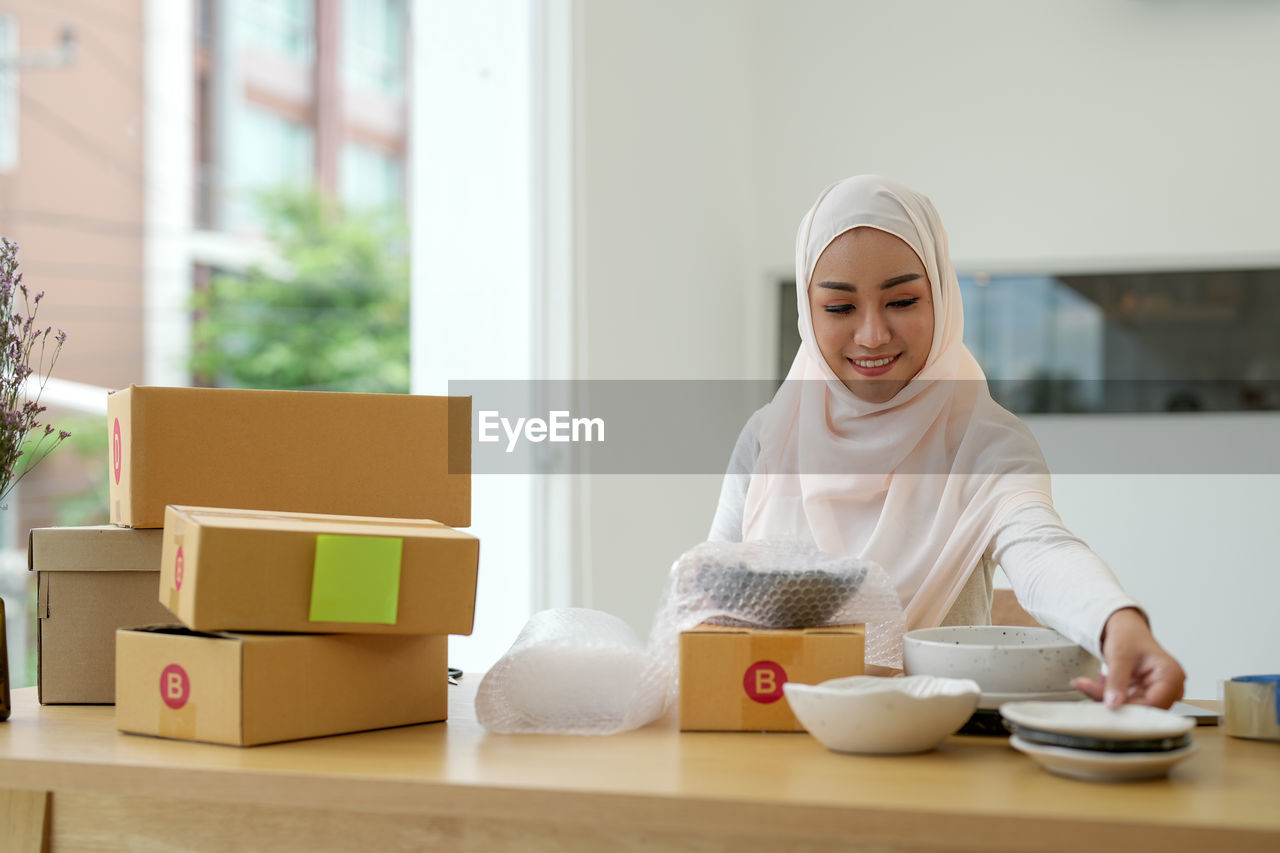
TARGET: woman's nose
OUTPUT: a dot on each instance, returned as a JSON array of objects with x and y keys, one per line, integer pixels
[{"x": 872, "y": 330}]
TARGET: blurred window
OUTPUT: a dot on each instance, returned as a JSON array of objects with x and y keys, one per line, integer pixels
[
  {"x": 8, "y": 93},
  {"x": 1128, "y": 342},
  {"x": 268, "y": 151},
  {"x": 286, "y": 27},
  {"x": 373, "y": 50},
  {"x": 1029, "y": 330},
  {"x": 204, "y": 22},
  {"x": 1115, "y": 342},
  {"x": 369, "y": 177}
]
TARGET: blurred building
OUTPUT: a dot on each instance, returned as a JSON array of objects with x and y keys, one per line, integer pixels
[
  {"x": 297, "y": 91},
  {"x": 72, "y": 174},
  {"x": 134, "y": 135}
]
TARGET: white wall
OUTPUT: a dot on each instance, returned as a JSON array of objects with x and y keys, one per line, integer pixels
[
  {"x": 1083, "y": 134},
  {"x": 170, "y": 188},
  {"x": 666, "y": 248},
  {"x": 1045, "y": 132},
  {"x": 471, "y": 204},
  {"x": 1196, "y": 549}
]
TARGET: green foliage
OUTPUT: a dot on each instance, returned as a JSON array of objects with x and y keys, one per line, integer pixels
[
  {"x": 339, "y": 321},
  {"x": 88, "y": 504}
]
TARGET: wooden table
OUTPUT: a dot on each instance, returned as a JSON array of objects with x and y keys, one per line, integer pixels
[{"x": 451, "y": 786}]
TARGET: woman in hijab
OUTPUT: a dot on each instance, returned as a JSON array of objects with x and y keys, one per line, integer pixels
[{"x": 884, "y": 443}]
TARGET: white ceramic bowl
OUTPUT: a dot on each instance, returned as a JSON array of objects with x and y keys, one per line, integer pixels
[
  {"x": 868, "y": 714},
  {"x": 1001, "y": 658}
]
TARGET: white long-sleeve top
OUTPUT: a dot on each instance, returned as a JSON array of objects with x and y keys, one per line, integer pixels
[{"x": 1057, "y": 578}]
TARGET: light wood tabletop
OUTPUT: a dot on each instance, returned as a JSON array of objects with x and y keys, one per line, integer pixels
[{"x": 70, "y": 779}]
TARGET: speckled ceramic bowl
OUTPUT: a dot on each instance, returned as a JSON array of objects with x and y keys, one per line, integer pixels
[{"x": 1002, "y": 659}]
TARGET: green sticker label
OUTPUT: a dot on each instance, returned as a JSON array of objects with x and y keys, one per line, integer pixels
[{"x": 356, "y": 579}]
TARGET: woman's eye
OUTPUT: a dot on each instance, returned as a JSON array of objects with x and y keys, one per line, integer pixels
[
  {"x": 904, "y": 303},
  {"x": 838, "y": 309}
]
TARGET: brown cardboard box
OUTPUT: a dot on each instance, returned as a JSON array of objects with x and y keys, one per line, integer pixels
[
  {"x": 246, "y": 689},
  {"x": 731, "y": 678},
  {"x": 391, "y": 455},
  {"x": 89, "y": 581},
  {"x": 244, "y": 570}
]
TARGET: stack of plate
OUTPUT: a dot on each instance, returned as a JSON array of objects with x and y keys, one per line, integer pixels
[
  {"x": 1086, "y": 740},
  {"x": 986, "y": 720}
]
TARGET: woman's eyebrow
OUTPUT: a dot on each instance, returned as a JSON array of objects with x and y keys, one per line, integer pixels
[
  {"x": 899, "y": 279},
  {"x": 884, "y": 285}
]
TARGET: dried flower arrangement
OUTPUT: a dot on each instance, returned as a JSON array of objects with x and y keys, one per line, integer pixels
[{"x": 21, "y": 432}]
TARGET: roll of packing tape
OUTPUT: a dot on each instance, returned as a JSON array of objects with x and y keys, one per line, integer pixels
[{"x": 1252, "y": 706}]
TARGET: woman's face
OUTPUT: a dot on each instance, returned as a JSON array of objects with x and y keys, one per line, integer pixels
[{"x": 872, "y": 311}]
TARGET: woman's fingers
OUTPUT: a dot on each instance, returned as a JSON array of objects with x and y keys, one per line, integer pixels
[
  {"x": 1161, "y": 681},
  {"x": 1157, "y": 681},
  {"x": 1120, "y": 672},
  {"x": 1089, "y": 687}
]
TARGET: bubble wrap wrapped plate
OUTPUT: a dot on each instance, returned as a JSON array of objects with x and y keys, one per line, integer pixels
[{"x": 574, "y": 671}]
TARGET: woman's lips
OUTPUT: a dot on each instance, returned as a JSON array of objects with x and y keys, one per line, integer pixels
[{"x": 874, "y": 371}]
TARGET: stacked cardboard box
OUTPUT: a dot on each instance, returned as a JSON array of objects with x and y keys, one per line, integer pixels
[{"x": 300, "y": 514}]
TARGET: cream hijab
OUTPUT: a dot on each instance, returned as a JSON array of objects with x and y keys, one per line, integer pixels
[{"x": 918, "y": 483}]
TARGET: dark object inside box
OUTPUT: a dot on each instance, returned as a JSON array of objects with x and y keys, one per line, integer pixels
[{"x": 4, "y": 666}]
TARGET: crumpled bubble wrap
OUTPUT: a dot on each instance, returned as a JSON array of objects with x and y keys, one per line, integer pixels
[
  {"x": 571, "y": 670},
  {"x": 578, "y": 671}
]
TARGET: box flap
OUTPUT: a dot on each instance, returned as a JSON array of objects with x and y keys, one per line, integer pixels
[
  {"x": 120, "y": 472},
  {"x": 104, "y": 548},
  {"x": 250, "y": 519},
  {"x": 184, "y": 631},
  {"x": 858, "y": 628},
  {"x": 708, "y": 628}
]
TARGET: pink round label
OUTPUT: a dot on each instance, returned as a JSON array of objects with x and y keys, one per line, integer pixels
[
  {"x": 117, "y": 450},
  {"x": 763, "y": 681},
  {"x": 179, "y": 569},
  {"x": 175, "y": 686}
]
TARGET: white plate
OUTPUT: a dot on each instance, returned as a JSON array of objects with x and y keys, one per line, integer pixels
[
  {"x": 991, "y": 701},
  {"x": 1093, "y": 766},
  {"x": 1093, "y": 719}
]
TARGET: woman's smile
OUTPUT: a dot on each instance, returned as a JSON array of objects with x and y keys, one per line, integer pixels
[{"x": 874, "y": 366}]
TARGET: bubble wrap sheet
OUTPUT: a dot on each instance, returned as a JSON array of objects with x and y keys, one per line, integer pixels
[{"x": 577, "y": 671}]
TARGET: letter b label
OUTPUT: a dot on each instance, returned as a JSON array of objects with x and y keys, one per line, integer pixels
[
  {"x": 175, "y": 686},
  {"x": 763, "y": 681}
]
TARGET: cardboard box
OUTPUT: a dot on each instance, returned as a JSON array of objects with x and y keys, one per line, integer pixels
[
  {"x": 244, "y": 570},
  {"x": 89, "y": 582},
  {"x": 247, "y": 689},
  {"x": 389, "y": 455},
  {"x": 731, "y": 678}
]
